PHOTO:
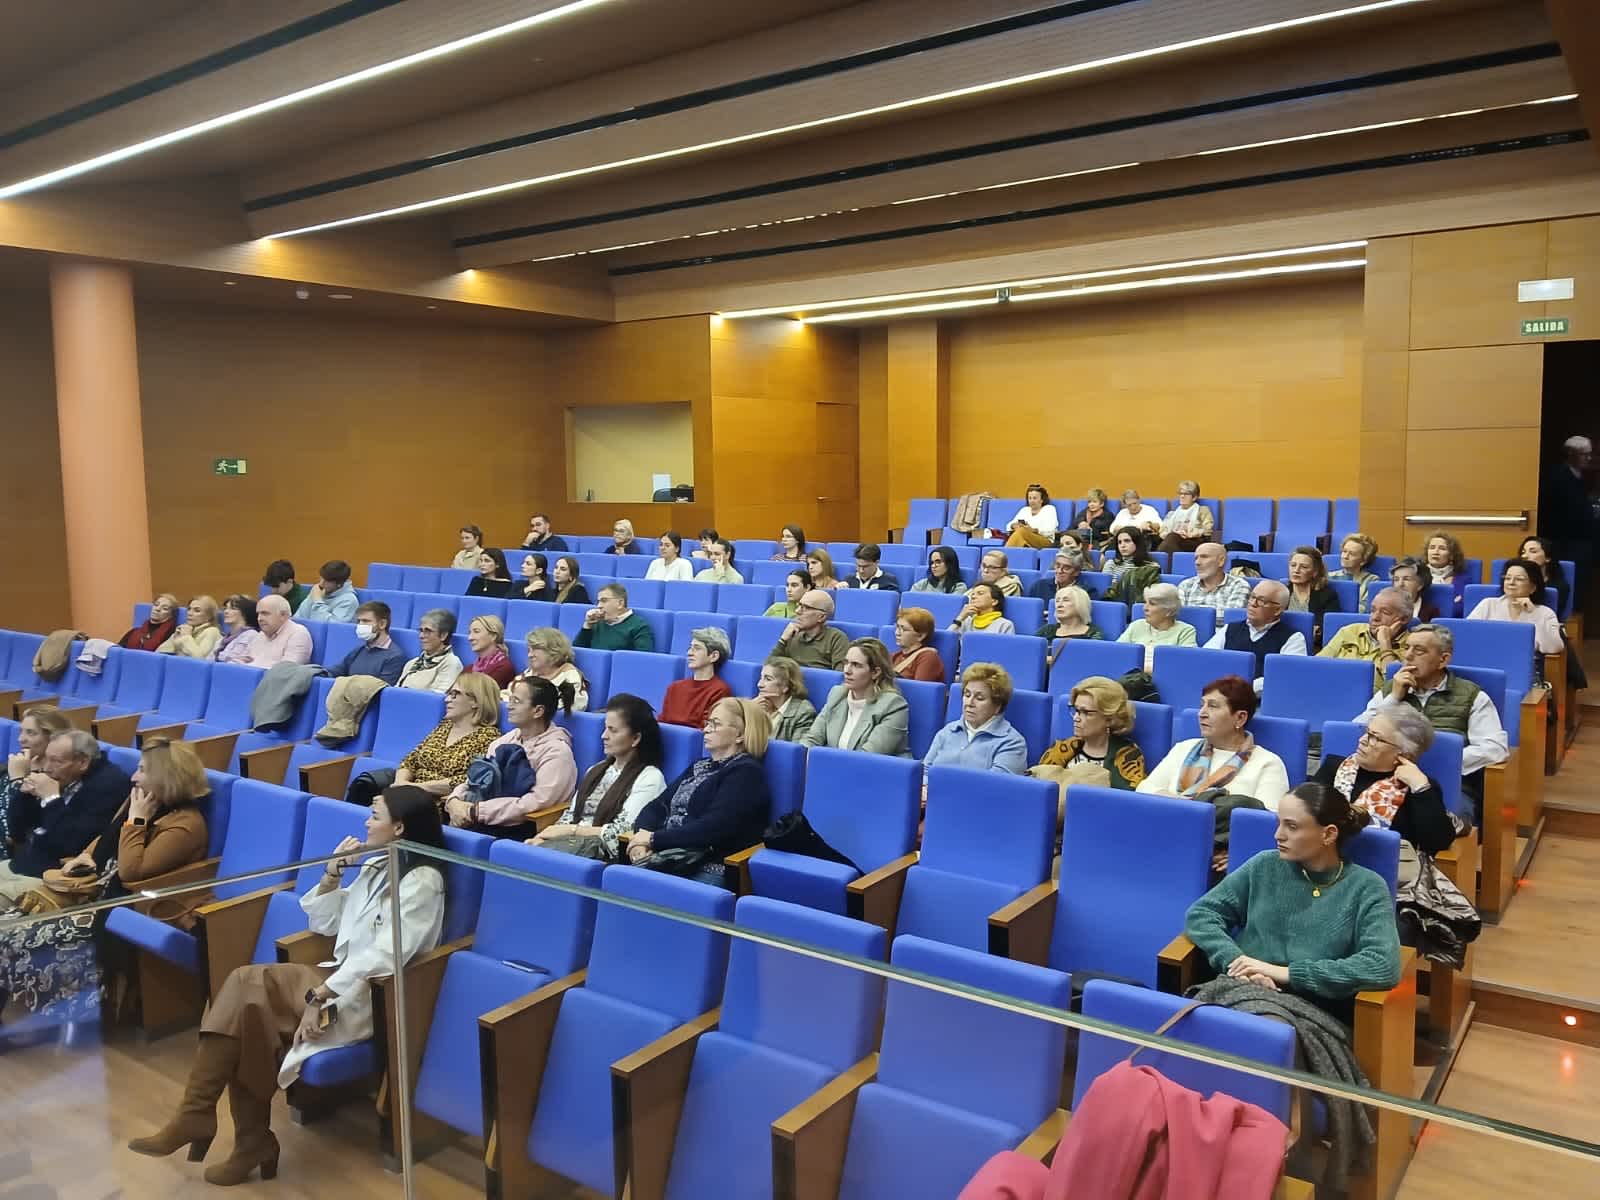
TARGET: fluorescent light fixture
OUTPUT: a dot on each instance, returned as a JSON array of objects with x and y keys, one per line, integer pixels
[
  {"x": 1009, "y": 183},
  {"x": 1131, "y": 285},
  {"x": 1080, "y": 276},
  {"x": 297, "y": 97},
  {"x": 976, "y": 89}
]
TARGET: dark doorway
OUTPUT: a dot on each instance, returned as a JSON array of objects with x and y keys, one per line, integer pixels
[{"x": 1571, "y": 406}]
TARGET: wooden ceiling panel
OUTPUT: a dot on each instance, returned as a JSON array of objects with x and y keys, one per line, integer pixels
[{"x": 42, "y": 39}]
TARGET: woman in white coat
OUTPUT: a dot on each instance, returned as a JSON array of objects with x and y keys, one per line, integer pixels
[{"x": 269, "y": 1018}]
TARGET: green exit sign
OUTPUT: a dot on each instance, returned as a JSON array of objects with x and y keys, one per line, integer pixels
[
  {"x": 1544, "y": 326},
  {"x": 229, "y": 466}
]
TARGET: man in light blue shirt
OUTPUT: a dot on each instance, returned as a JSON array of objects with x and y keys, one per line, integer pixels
[{"x": 333, "y": 599}]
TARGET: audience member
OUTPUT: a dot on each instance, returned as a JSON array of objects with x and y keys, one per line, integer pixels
[
  {"x": 865, "y": 712},
  {"x": 1262, "y": 632},
  {"x": 1356, "y": 553},
  {"x": 1381, "y": 641},
  {"x": 981, "y": 739},
  {"x": 791, "y": 545},
  {"x": 1094, "y": 523},
  {"x": 1189, "y": 524},
  {"x": 1542, "y": 552},
  {"x": 612, "y": 625},
  {"x": 1074, "y": 540},
  {"x": 819, "y": 565},
  {"x": 1224, "y": 759},
  {"x": 795, "y": 585},
  {"x": 622, "y": 539},
  {"x": 689, "y": 700},
  {"x": 706, "y": 539},
  {"x": 1102, "y": 718},
  {"x": 493, "y": 577},
  {"x": 1068, "y": 568},
  {"x": 809, "y": 639},
  {"x": 1451, "y": 702},
  {"x": 437, "y": 667},
  {"x": 1035, "y": 523},
  {"x": 915, "y": 658},
  {"x": 376, "y": 654},
  {"x": 944, "y": 572},
  {"x": 540, "y": 538},
  {"x": 20, "y": 791},
  {"x": 1135, "y": 514},
  {"x": 1522, "y": 592},
  {"x": 721, "y": 569},
  {"x": 1566, "y": 513},
  {"x": 1160, "y": 625},
  {"x": 438, "y": 763},
  {"x": 1070, "y": 618},
  {"x": 281, "y": 639},
  {"x": 1408, "y": 575},
  {"x": 1308, "y": 585},
  {"x": 550, "y": 657},
  {"x": 719, "y": 806},
  {"x": 570, "y": 588},
  {"x": 199, "y": 636},
  {"x": 983, "y": 612},
  {"x": 669, "y": 562},
  {"x": 486, "y": 635},
  {"x": 62, "y": 810},
  {"x": 614, "y": 791},
  {"x": 781, "y": 693},
  {"x": 994, "y": 568},
  {"x": 160, "y": 625},
  {"x": 466, "y": 558},
  {"x": 1302, "y": 918},
  {"x": 535, "y": 582},
  {"x": 1383, "y": 780},
  {"x": 869, "y": 575},
  {"x": 334, "y": 597},
  {"x": 1447, "y": 564},
  {"x": 279, "y": 579},
  {"x": 1131, "y": 568},
  {"x": 545, "y": 752},
  {"x": 239, "y": 620},
  {"x": 1213, "y": 585}
]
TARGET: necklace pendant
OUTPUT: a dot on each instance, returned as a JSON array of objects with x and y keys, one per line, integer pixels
[{"x": 1316, "y": 892}]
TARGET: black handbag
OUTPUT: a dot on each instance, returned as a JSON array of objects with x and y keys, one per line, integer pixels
[
  {"x": 793, "y": 833},
  {"x": 369, "y": 785}
]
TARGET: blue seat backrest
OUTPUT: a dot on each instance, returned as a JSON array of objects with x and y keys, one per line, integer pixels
[
  {"x": 479, "y": 606},
  {"x": 1151, "y": 732},
  {"x": 1023, "y": 658},
  {"x": 217, "y": 811},
  {"x": 1441, "y": 761},
  {"x": 1301, "y": 517},
  {"x": 689, "y": 595},
  {"x": 750, "y": 550},
  {"x": 1004, "y": 1065},
  {"x": 1346, "y": 515},
  {"x": 1349, "y": 593},
  {"x": 405, "y": 717},
  {"x": 1287, "y": 737},
  {"x": 943, "y": 605},
  {"x": 1495, "y": 683},
  {"x": 754, "y": 637},
  {"x": 1025, "y": 612},
  {"x": 645, "y": 675},
  {"x": 1210, "y": 1026},
  {"x": 463, "y": 885},
  {"x": 1244, "y": 518},
  {"x": 124, "y": 758},
  {"x": 989, "y": 825},
  {"x": 927, "y": 514},
  {"x": 864, "y": 805},
  {"x": 820, "y": 683},
  {"x": 742, "y": 677},
  {"x": 557, "y": 942},
  {"x": 1316, "y": 689},
  {"x": 812, "y": 1008},
  {"x": 1253, "y": 831},
  {"x": 768, "y": 574},
  {"x": 228, "y": 702},
  {"x": 419, "y": 579},
  {"x": 585, "y": 728},
  {"x": 1110, "y": 615},
  {"x": 642, "y": 592},
  {"x": 23, "y": 647},
  {"x": 328, "y": 822},
  {"x": 266, "y": 824},
  {"x": 524, "y": 616},
  {"x": 669, "y": 965},
  {"x": 386, "y": 575},
  {"x": 99, "y": 689},
  {"x": 1079, "y": 659},
  {"x": 904, "y": 555},
  {"x": 785, "y": 765},
  {"x": 8, "y": 737},
  {"x": 340, "y": 641},
  {"x": 1180, "y": 672},
  {"x": 319, "y": 638},
  {"x": 926, "y": 703},
  {"x": 858, "y": 605},
  {"x": 1028, "y": 712},
  {"x": 595, "y": 666},
  {"x": 1131, "y": 864},
  {"x": 400, "y": 605},
  {"x": 1334, "y": 621},
  {"x": 659, "y": 621},
  {"x": 738, "y": 599},
  {"x": 681, "y": 746},
  {"x": 686, "y": 621}
]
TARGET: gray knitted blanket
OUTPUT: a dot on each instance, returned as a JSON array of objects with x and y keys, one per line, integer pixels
[{"x": 1325, "y": 1045}]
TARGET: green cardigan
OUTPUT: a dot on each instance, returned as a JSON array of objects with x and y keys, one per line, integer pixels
[
  {"x": 1129, "y": 585},
  {"x": 630, "y": 633}
]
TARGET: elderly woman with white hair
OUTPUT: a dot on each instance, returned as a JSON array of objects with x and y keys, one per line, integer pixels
[
  {"x": 1071, "y": 617},
  {"x": 1189, "y": 523},
  {"x": 622, "y": 539},
  {"x": 1160, "y": 625},
  {"x": 689, "y": 701},
  {"x": 1383, "y": 779}
]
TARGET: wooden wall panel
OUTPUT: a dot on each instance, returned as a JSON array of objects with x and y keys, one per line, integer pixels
[
  {"x": 877, "y": 513},
  {"x": 33, "y": 587},
  {"x": 1575, "y": 253},
  {"x": 1464, "y": 284},
  {"x": 1476, "y": 387},
  {"x": 1252, "y": 392},
  {"x": 918, "y": 413},
  {"x": 365, "y": 441}
]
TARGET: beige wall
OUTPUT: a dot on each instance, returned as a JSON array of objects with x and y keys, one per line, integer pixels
[{"x": 616, "y": 450}]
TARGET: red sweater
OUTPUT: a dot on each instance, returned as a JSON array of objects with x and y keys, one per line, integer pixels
[
  {"x": 689, "y": 700},
  {"x": 927, "y": 666}
]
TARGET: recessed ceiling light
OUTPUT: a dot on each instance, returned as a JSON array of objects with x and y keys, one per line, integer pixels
[
  {"x": 340, "y": 296},
  {"x": 230, "y": 283},
  {"x": 431, "y": 307}
]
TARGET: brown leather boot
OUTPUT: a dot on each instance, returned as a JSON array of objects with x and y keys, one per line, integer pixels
[
  {"x": 195, "y": 1122},
  {"x": 253, "y": 1143}
]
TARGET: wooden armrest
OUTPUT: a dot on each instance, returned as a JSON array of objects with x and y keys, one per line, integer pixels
[
  {"x": 1498, "y": 851},
  {"x": 81, "y": 716},
  {"x": 1385, "y": 1033},
  {"x": 118, "y": 731},
  {"x": 270, "y": 763},
  {"x": 875, "y": 897},
  {"x": 1178, "y": 965},
  {"x": 542, "y": 818},
  {"x": 1533, "y": 741},
  {"x": 228, "y": 931},
  {"x": 1459, "y": 861},
  {"x": 809, "y": 1141},
  {"x": 1290, "y": 1188},
  {"x": 1041, "y": 1143},
  {"x": 171, "y": 732},
  {"x": 305, "y": 947},
  {"x": 9, "y": 697},
  {"x": 513, "y": 1045},
  {"x": 19, "y": 707},
  {"x": 215, "y": 751},
  {"x": 647, "y": 1092},
  {"x": 330, "y": 777},
  {"x": 1022, "y": 929},
  {"x": 739, "y": 863}
]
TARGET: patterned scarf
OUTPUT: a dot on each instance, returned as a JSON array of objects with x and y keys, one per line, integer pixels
[
  {"x": 1382, "y": 799},
  {"x": 1192, "y": 777}
]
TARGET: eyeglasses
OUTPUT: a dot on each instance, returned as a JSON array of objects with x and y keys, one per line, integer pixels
[
  {"x": 1368, "y": 736},
  {"x": 452, "y": 694},
  {"x": 1263, "y": 602},
  {"x": 1083, "y": 714},
  {"x": 816, "y": 608}
]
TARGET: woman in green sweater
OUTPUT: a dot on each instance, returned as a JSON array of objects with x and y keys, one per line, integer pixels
[{"x": 1302, "y": 919}]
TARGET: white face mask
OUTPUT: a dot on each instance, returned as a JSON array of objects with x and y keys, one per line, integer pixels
[{"x": 366, "y": 631}]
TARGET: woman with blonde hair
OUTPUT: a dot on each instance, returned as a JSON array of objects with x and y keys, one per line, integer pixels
[
  {"x": 981, "y": 739},
  {"x": 438, "y": 763},
  {"x": 866, "y": 711},
  {"x": 550, "y": 656},
  {"x": 622, "y": 539},
  {"x": 1071, "y": 617},
  {"x": 781, "y": 693},
  {"x": 1189, "y": 523},
  {"x": 819, "y": 565},
  {"x": 487, "y": 637},
  {"x": 1102, "y": 717},
  {"x": 200, "y": 635},
  {"x": 915, "y": 659},
  {"x": 1095, "y": 522},
  {"x": 160, "y": 625},
  {"x": 1356, "y": 553}
]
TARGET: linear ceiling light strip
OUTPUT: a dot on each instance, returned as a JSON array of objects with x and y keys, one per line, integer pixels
[
  {"x": 1331, "y": 87},
  {"x": 976, "y": 89},
  {"x": 297, "y": 97}
]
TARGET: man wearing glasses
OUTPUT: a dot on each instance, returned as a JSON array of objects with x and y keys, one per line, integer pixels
[
  {"x": 1262, "y": 632},
  {"x": 809, "y": 639},
  {"x": 1381, "y": 641}
]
